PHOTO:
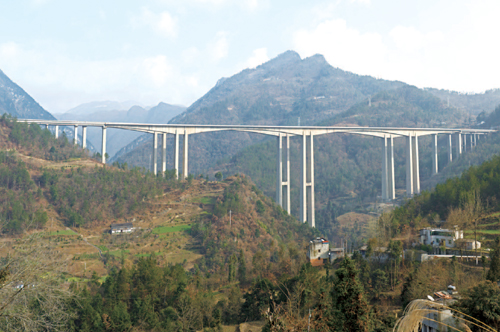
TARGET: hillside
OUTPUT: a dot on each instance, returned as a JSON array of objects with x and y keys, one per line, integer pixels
[
  {"x": 51, "y": 185},
  {"x": 459, "y": 201},
  {"x": 16, "y": 102},
  {"x": 475, "y": 103},
  {"x": 276, "y": 92},
  {"x": 348, "y": 167}
]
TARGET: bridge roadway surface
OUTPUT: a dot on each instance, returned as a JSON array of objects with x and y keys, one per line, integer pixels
[{"x": 283, "y": 133}]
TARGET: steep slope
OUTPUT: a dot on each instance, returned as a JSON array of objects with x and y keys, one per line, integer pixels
[
  {"x": 276, "y": 92},
  {"x": 43, "y": 179},
  {"x": 16, "y": 102}
]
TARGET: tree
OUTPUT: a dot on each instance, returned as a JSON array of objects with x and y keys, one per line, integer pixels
[
  {"x": 379, "y": 281},
  {"x": 494, "y": 272},
  {"x": 218, "y": 176},
  {"x": 481, "y": 302},
  {"x": 349, "y": 308},
  {"x": 31, "y": 297}
]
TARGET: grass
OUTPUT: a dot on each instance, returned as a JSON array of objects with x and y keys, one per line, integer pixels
[
  {"x": 118, "y": 253},
  {"x": 490, "y": 224},
  {"x": 63, "y": 232},
  {"x": 103, "y": 248},
  {"x": 171, "y": 229},
  {"x": 485, "y": 231},
  {"x": 204, "y": 200}
]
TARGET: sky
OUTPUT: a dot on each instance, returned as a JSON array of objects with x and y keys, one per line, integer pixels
[{"x": 65, "y": 53}]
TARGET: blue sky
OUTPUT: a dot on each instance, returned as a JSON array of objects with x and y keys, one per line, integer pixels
[{"x": 65, "y": 53}]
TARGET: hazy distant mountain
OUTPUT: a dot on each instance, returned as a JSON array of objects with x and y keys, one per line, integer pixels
[
  {"x": 101, "y": 106},
  {"x": 116, "y": 138},
  {"x": 276, "y": 92},
  {"x": 15, "y": 101},
  {"x": 474, "y": 103}
]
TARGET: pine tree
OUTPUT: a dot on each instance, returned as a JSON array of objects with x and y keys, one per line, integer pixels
[
  {"x": 242, "y": 268},
  {"x": 494, "y": 272},
  {"x": 350, "y": 309}
]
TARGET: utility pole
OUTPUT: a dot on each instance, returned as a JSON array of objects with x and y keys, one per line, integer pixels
[
  {"x": 309, "y": 322},
  {"x": 229, "y": 218}
]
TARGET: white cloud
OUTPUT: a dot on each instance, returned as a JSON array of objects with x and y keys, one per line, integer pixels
[
  {"x": 163, "y": 23},
  {"x": 342, "y": 46},
  {"x": 157, "y": 69},
  {"x": 219, "y": 49},
  {"x": 258, "y": 57},
  {"x": 365, "y": 2},
  {"x": 59, "y": 82},
  {"x": 409, "y": 39}
]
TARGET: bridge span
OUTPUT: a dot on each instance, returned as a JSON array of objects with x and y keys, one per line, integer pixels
[{"x": 460, "y": 138}]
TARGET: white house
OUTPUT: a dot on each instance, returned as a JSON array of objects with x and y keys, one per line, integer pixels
[
  {"x": 121, "y": 228},
  {"x": 438, "y": 237},
  {"x": 318, "y": 253}
]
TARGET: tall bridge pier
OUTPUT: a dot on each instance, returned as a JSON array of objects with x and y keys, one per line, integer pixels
[{"x": 455, "y": 136}]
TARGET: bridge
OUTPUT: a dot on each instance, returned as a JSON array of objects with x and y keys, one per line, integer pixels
[{"x": 461, "y": 138}]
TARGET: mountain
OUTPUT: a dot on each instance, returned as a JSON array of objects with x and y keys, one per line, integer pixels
[
  {"x": 277, "y": 92},
  {"x": 105, "y": 111},
  {"x": 475, "y": 103},
  {"x": 348, "y": 167},
  {"x": 16, "y": 102},
  {"x": 99, "y": 106}
]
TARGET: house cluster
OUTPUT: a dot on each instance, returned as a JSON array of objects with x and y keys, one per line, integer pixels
[
  {"x": 320, "y": 253},
  {"x": 439, "y": 237}
]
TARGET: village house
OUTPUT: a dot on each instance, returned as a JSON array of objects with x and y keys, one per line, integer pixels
[
  {"x": 439, "y": 237},
  {"x": 320, "y": 253},
  {"x": 121, "y": 228}
]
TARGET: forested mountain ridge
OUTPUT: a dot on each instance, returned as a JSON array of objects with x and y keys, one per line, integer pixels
[
  {"x": 277, "y": 92},
  {"x": 348, "y": 167},
  {"x": 16, "y": 102}
]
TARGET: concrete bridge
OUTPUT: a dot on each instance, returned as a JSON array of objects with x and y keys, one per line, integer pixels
[{"x": 461, "y": 139}]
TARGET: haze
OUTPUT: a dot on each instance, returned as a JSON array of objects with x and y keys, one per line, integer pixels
[{"x": 67, "y": 53}]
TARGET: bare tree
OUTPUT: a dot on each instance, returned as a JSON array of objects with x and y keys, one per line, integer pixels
[{"x": 32, "y": 294}]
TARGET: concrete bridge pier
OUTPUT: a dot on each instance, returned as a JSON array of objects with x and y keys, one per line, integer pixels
[
  {"x": 475, "y": 140},
  {"x": 388, "y": 185},
  {"x": 283, "y": 178},
  {"x": 412, "y": 166},
  {"x": 75, "y": 138},
  {"x": 155, "y": 153},
  {"x": 164, "y": 155},
  {"x": 471, "y": 141},
  {"x": 416, "y": 166},
  {"x": 103, "y": 148},
  {"x": 57, "y": 132},
  {"x": 450, "y": 149},
  {"x": 185, "y": 155},
  {"x": 307, "y": 187},
  {"x": 176, "y": 155},
  {"x": 435, "y": 166},
  {"x": 47, "y": 126},
  {"x": 458, "y": 140},
  {"x": 391, "y": 184},
  {"x": 84, "y": 137},
  {"x": 385, "y": 170},
  {"x": 279, "y": 172}
]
